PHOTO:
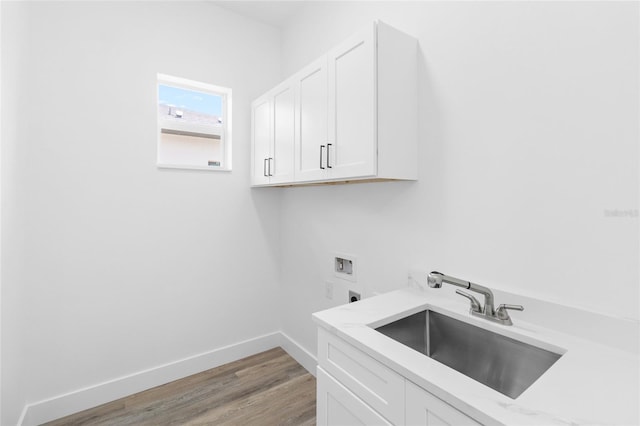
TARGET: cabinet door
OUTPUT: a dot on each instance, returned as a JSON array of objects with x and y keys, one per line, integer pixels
[
  {"x": 337, "y": 406},
  {"x": 261, "y": 139},
  {"x": 311, "y": 122},
  {"x": 352, "y": 107},
  {"x": 281, "y": 159},
  {"x": 423, "y": 408},
  {"x": 371, "y": 381}
]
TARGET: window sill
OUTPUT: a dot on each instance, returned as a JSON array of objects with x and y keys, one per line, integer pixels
[{"x": 200, "y": 168}]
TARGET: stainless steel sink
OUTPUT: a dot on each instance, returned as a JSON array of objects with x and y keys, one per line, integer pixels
[{"x": 502, "y": 363}]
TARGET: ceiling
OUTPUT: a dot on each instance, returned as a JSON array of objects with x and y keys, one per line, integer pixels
[{"x": 275, "y": 13}]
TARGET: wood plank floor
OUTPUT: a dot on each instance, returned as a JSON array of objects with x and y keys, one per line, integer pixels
[{"x": 269, "y": 388}]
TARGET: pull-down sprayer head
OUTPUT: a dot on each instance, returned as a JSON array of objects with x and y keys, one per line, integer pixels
[{"x": 434, "y": 279}]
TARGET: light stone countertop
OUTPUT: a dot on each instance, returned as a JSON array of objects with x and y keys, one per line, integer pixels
[{"x": 591, "y": 384}]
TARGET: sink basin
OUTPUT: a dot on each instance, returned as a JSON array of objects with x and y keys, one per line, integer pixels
[{"x": 502, "y": 363}]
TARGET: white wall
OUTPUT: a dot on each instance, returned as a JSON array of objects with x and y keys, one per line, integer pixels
[
  {"x": 1, "y": 180},
  {"x": 110, "y": 265},
  {"x": 11, "y": 309},
  {"x": 528, "y": 136}
]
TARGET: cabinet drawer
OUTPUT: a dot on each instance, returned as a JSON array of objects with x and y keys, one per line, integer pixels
[
  {"x": 338, "y": 406},
  {"x": 425, "y": 409},
  {"x": 378, "y": 386}
]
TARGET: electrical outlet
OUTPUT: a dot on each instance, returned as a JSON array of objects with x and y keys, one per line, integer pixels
[
  {"x": 328, "y": 290},
  {"x": 353, "y": 296}
]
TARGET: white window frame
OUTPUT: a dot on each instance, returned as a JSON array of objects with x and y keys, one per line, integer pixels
[{"x": 197, "y": 129}]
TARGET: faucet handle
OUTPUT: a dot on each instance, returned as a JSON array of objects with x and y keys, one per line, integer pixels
[
  {"x": 502, "y": 313},
  {"x": 475, "y": 305}
]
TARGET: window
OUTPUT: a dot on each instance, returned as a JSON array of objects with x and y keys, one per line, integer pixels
[{"x": 194, "y": 124}]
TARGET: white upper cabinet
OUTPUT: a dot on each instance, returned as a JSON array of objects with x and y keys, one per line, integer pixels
[
  {"x": 283, "y": 134},
  {"x": 311, "y": 121},
  {"x": 261, "y": 140},
  {"x": 273, "y": 135},
  {"x": 351, "y": 147},
  {"x": 355, "y": 114}
]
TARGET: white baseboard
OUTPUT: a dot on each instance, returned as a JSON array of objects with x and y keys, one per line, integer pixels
[
  {"x": 300, "y": 354},
  {"x": 92, "y": 396}
]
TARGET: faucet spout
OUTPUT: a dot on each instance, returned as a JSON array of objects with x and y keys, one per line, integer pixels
[{"x": 435, "y": 280}]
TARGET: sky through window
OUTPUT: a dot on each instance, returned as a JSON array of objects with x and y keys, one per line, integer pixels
[{"x": 204, "y": 103}]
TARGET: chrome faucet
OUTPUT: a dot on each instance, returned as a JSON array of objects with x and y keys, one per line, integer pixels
[{"x": 500, "y": 315}]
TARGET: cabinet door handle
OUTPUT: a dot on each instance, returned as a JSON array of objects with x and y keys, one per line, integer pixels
[
  {"x": 321, "y": 150},
  {"x": 328, "y": 166},
  {"x": 264, "y": 167},
  {"x": 270, "y": 160}
]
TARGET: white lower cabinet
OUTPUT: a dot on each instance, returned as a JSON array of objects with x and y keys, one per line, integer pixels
[
  {"x": 355, "y": 389},
  {"x": 338, "y": 406},
  {"x": 423, "y": 408},
  {"x": 378, "y": 386}
]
